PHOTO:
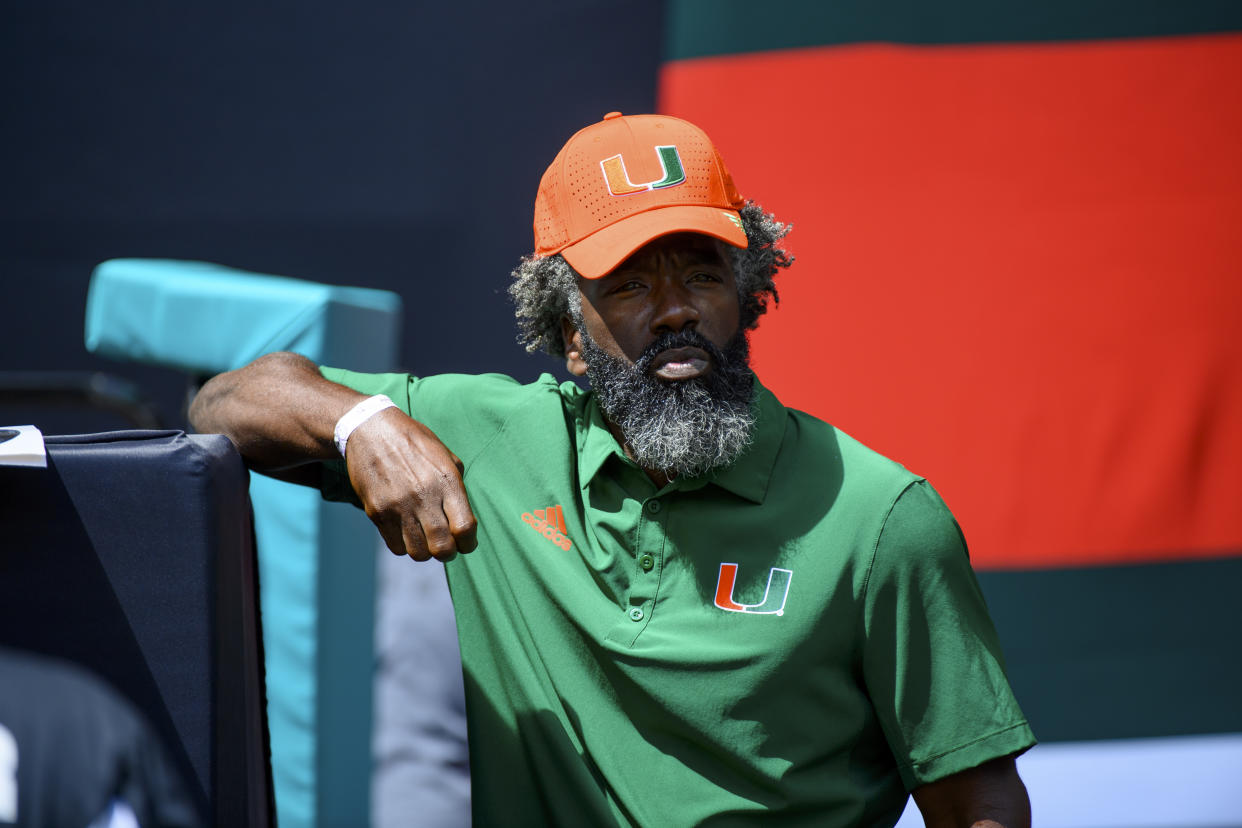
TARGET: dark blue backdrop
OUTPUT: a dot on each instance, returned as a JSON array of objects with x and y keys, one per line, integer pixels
[{"x": 390, "y": 145}]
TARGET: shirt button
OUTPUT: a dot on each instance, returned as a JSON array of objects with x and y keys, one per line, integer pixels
[
  {"x": 653, "y": 507},
  {"x": 636, "y": 613},
  {"x": 646, "y": 562}
]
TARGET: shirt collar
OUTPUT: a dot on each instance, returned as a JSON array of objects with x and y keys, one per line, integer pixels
[
  {"x": 747, "y": 477},
  {"x": 596, "y": 443}
]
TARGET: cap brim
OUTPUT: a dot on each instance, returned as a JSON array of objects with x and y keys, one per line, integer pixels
[{"x": 599, "y": 253}]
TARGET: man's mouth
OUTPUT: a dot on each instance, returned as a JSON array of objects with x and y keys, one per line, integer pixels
[{"x": 678, "y": 364}]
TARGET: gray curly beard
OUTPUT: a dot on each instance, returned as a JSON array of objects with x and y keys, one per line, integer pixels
[{"x": 680, "y": 428}]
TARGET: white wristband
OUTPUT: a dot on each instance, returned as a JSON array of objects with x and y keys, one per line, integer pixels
[{"x": 356, "y": 416}]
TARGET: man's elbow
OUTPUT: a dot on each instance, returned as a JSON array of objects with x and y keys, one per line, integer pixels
[
  {"x": 224, "y": 398},
  {"x": 208, "y": 412}
]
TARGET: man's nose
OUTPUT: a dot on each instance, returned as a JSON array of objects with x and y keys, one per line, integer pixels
[{"x": 674, "y": 310}]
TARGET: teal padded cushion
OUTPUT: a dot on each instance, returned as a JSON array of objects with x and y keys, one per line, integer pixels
[{"x": 206, "y": 318}]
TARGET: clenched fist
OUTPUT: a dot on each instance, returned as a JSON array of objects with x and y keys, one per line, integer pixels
[{"x": 411, "y": 487}]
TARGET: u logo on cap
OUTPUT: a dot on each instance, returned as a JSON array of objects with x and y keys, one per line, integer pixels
[{"x": 618, "y": 179}]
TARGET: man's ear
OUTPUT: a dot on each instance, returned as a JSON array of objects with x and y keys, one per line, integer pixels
[{"x": 571, "y": 338}]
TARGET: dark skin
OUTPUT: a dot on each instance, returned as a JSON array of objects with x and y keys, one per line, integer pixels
[
  {"x": 674, "y": 283},
  {"x": 280, "y": 413},
  {"x": 685, "y": 281}
]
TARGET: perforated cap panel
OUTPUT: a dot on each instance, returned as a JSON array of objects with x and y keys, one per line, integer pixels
[{"x": 625, "y": 166}]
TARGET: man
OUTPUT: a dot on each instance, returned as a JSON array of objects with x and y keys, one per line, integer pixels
[{"x": 688, "y": 604}]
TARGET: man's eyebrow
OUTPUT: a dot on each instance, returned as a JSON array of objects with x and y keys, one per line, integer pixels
[
  {"x": 680, "y": 257},
  {"x": 701, "y": 257}
]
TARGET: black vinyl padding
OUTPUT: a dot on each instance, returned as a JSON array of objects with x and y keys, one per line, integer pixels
[{"x": 132, "y": 554}]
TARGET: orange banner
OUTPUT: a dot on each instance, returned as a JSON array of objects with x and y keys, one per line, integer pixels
[{"x": 1019, "y": 273}]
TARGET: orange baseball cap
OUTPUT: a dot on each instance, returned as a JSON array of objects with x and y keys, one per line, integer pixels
[{"x": 626, "y": 180}]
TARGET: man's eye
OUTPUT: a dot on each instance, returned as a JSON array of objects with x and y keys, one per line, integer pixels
[
  {"x": 626, "y": 287},
  {"x": 704, "y": 277}
]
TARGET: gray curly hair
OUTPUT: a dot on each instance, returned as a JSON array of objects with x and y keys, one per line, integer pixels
[{"x": 545, "y": 288}]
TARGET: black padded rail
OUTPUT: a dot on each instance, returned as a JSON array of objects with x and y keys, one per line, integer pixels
[{"x": 132, "y": 554}]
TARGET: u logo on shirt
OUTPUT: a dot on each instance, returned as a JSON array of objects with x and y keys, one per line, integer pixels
[{"x": 774, "y": 596}]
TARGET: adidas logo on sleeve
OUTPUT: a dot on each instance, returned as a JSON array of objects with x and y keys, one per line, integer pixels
[{"x": 550, "y": 523}]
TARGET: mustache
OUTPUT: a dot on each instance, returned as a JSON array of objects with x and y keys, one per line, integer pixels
[{"x": 688, "y": 338}]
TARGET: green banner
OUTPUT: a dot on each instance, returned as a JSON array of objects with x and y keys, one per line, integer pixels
[
  {"x": 699, "y": 28},
  {"x": 1123, "y": 651}
]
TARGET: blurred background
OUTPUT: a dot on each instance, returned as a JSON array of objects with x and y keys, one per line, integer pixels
[
  {"x": 1019, "y": 242},
  {"x": 394, "y": 146}
]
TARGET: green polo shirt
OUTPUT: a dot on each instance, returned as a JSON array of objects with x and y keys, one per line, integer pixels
[{"x": 795, "y": 640}]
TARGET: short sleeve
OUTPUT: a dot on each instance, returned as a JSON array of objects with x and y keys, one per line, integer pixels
[
  {"x": 931, "y": 657},
  {"x": 465, "y": 411}
]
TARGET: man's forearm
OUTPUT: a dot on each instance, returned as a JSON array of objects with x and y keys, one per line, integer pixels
[
  {"x": 988, "y": 796},
  {"x": 278, "y": 410}
]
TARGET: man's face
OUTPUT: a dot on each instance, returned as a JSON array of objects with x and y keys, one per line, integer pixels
[
  {"x": 674, "y": 284},
  {"x": 660, "y": 340}
]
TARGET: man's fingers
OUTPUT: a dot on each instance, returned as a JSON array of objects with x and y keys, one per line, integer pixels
[
  {"x": 461, "y": 520},
  {"x": 415, "y": 541},
  {"x": 390, "y": 531},
  {"x": 425, "y": 532},
  {"x": 411, "y": 485},
  {"x": 440, "y": 541}
]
